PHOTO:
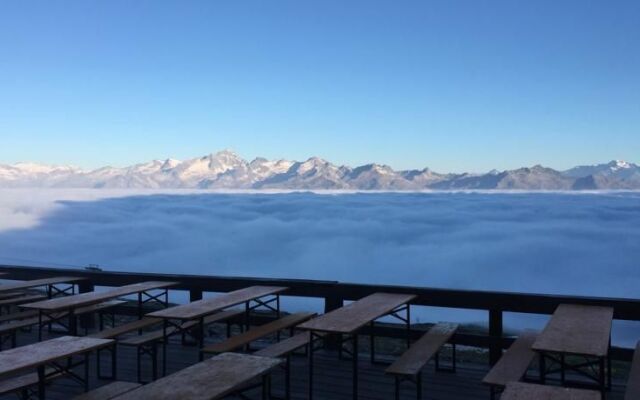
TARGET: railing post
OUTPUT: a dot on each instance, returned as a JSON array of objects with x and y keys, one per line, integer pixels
[
  {"x": 332, "y": 303},
  {"x": 495, "y": 335},
  {"x": 87, "y": 321},
  {"x": 195, "y": 294}
]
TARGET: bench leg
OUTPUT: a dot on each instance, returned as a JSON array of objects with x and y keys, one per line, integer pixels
[
  {"x": 138, "y": 364},
  {"x": 397, "y": 388},
  {"x": 419, "y": 386},
  {"x": 114, "y": 361},
  {"x": 154, "y": 361},
  {"x": 355, "y": 366},
  {"x": 287, "y": 379},
  {"x": 86, "y": 372},
  {"x": 41, "y": 382}
]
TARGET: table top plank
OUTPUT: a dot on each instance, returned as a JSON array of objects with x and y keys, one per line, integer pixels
[
  {"x": 90, "y": 298},
  {"x": 39, "y": 282},
  {"x": 34, "y": 355},
  {"x": 577, "y": 329},
  {"x": 200, "y": 308},
  {"x": 531, "y": 391},
  {"x": 206, "y": 380},
  {"x": 352, "y": 317}
]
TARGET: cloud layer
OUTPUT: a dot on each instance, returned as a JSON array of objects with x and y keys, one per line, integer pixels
[{"x": 555, "y": 243}]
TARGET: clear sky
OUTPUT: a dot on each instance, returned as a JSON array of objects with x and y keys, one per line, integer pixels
[{"x": 454, "y": 85}]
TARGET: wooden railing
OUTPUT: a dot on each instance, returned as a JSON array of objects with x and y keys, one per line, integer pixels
[{"x": 334, "y": 293}]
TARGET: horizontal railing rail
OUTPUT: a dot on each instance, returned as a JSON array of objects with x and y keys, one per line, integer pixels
[{"x": 335, "y": 293}]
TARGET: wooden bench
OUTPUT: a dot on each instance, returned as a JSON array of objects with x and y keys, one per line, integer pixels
[
  {"x": 24, "y": 384},
  {"x": 109, "y": 391},
  {"x": 285, "y": 348},
  {"x": 244, "y": 339},
  {"x": 120, "y": 330},
  {"x": 513, "y": 364},
  {"x": 409, "y": 365},
  {"x": 18, "y": 316},
  {"x": 9, "y": 330},
  {"x": 531, "y": 391},
  {"x": 11, "y": 295},
  {"x": 215, "y": 378},
  {"x": 6, "y": 304},
  {"x": 147, "y": 343},
  {"x": 632, "y": 391}
]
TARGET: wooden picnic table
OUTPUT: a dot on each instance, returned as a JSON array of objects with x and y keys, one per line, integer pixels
[
  {"x": 66, "y": 306},
  {"x": 50, "y": 283},
  {"x": 211, "y": 379},
  {"x": 348, "y": 320},
  {"x": 175, "y": 317},
  {"x": 577, "y": 331},
  {"x": 51, "y": 353},
  {"x": 530, "y": 391}
]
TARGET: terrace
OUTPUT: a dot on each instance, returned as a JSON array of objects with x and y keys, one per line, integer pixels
[{"x": 332, "y": 373}]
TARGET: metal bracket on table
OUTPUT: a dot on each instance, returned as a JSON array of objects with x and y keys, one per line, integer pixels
[
  {"x": 596, "y": 367},
  {"x": 57, "y": 290},
  {"x": 147, "y": 296}
]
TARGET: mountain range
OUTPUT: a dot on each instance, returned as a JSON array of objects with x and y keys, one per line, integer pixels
[{"x": 226, "y": 170}]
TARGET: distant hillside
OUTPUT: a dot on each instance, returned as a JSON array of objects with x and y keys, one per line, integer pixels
[{"x": 226, "y": 170}]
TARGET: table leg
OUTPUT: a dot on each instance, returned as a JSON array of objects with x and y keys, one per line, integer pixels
[
  {"x": 246, "y": 316},
  {"x": 602, "y": 380},
  {"x": 39, "y": 325},
  {"x": 408, "y": 326},
  {"x": 355, "y": 366},
  {"x": 73, "y": 323},
  {"x": 201, "y": 338},
  {"x": 562, "y": 368},
  {"x": 164, "y": 347},
  {"x": 542, "y": 368},
  {"x": 139, "y": 305},
  {"x": 609, "y": 365},
  {"x": 372, "y": 343}
]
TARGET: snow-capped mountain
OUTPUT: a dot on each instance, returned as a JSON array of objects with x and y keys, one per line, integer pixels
[{"x": 227, "y": 170}]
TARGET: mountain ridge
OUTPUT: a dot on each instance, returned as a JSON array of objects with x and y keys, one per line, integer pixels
[{"x": 226, "y": 170}]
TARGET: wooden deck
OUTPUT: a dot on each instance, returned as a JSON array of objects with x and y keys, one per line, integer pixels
[{"x": 332, "y": 379}]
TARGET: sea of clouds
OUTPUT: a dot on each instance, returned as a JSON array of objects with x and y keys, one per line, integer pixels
[{"x": 531, "y": 242}]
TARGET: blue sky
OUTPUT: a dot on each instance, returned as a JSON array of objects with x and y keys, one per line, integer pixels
[{"x": 453, "y": 85}]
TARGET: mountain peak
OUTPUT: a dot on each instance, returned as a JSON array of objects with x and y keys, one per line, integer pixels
[{"x": 225, "y": 169}]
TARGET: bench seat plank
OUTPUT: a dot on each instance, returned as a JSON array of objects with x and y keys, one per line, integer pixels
[
  {"x": 99, "y": 307},
  {"x": 633, "y": 383},
  {"x": 207, "y": 380},
  {"x": 109, "y": 391},
  {"x": 530, "y": 391},
  {"x": 261, "y": 331},
  {"x": 420, "y": 352},
  {"x": 125, "y": 328},
  {"x": 18, "y": 315},
  {"x": 39, "y": 282},
  {"x": 25, "y": 381},
  {"x": 159, "y": 334},
  {"x": 14, "y": 301},
  {"x": 36, "y": 354},
  {"x": 286, "y": 346},
  {"x": 514, "y": 362}
]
